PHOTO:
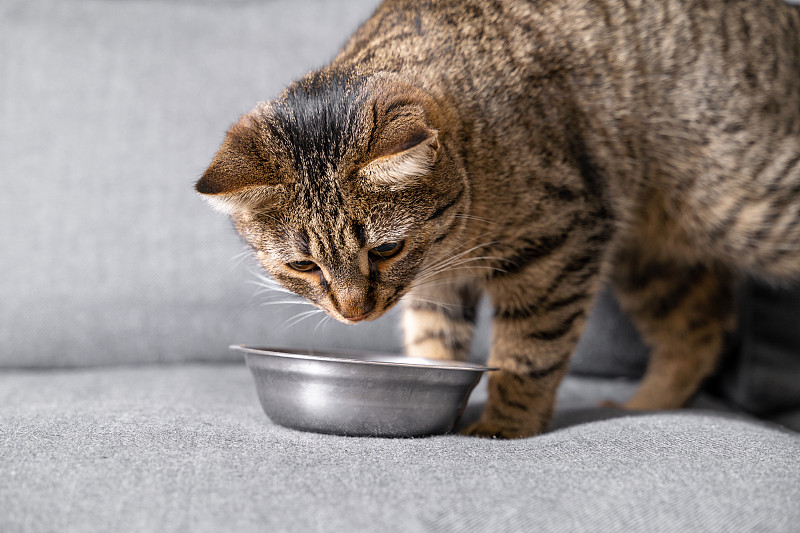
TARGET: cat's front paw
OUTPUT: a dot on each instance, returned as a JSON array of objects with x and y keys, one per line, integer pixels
[{"x": 495, "y": 430}]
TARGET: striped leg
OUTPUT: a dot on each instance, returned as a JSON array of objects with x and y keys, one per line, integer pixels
[
  {"x": 438, "y": 321},
  {"x": 683, "y": 313},
  {"x": 539, "y": 315}
]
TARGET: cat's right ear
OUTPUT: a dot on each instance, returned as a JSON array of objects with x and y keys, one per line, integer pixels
[{"x": 239, "y": 176}]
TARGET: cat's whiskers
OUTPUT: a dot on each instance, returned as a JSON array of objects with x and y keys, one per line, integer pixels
[
  {"x": 268, "y": 284},
  {"x": 470, "y": 268},
  {"x": 273, "y": 293},
  {"x": 263, "y": 290},
  {"x": 448, "y": 260},
  {"x": 263, "y": 280},
  {"x": 295, "y": 320},
  {"x": 327, "y": 318},
  {"x": 431, "y": 283},
  {"x": 284, "y": 302},
  {"x": 271, "y": 288},
  {"x": 241, "y": 256},
  {"x": 446, "y": 306},
  {"x": 476, "y": 218},
  {"x": 458, "y": 263},
  {"x": 429, "y": 277},
  {"x": 445, "y": 263}
]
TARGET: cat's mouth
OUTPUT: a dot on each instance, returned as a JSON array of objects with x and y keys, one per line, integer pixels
[
  {"x": 369, "y": 315},
  {"x": 355, "y": 319}
]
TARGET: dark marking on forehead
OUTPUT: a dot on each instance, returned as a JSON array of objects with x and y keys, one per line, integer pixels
[
  {"x": 360, "y": 234},
  {"x": 317, "y": 118}
]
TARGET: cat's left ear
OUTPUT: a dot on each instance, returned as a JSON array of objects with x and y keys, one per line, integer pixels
[
  {"x": 403, "y": 142},
  {"x": 240, "y": 175},
  {"x": 410, "y": 159}
]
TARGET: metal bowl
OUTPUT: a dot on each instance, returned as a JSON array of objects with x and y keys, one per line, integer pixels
[{"x": 361, "y": 394}]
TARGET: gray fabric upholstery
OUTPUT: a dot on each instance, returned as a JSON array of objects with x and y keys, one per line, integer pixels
[{"x": 187, "y": 448}]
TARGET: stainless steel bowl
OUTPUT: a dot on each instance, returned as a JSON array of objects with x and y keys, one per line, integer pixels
[{"x": 361, "y": 394}]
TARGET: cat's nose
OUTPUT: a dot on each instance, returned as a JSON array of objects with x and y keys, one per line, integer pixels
[{"x": 356, "y": 312}]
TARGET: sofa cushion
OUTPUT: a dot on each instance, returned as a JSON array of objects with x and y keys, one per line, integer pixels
[{"x": 187, "y": 448}]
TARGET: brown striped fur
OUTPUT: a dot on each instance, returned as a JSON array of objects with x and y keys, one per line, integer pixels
[{"x": 528, "y": 150}]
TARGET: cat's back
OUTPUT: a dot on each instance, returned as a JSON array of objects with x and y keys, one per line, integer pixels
[
  {"x": 627, "y": 38},
  {"x": 686, "y": 96},
  {"x": 426, "y": 37}
]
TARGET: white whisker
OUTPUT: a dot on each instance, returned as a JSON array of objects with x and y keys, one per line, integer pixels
[
  {"x": 267, "y": 289},
  {"x": 461, "y": 254},
  {"x": 473, "y": 217},
  {"x": 241, "y": 256},
  {"x": 266, "y": 283},
  {"x": 447, "y": 306},
  {"x": 285, "y": 302},
  {"x": 291, "y": 322},
  {"x": 462, "y": 264},
  {"x": 324, "y": 320}
]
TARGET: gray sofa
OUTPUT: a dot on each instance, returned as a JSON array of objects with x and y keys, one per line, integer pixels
[{"x": 121, "y": 408}]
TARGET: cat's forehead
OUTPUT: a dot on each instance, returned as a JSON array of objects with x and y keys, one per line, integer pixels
[
  {"x": 311, "y": 239},
  {"x": 319, "y": 121},
  {"x": 296, "y": 229}
]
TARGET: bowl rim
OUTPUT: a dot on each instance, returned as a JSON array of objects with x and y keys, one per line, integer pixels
[{"x": 341, "y": 357}]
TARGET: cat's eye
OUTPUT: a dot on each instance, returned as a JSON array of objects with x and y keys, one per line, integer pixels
[
  {"x": 387, "y": 250},
  {"x": 303, "y": 266}
]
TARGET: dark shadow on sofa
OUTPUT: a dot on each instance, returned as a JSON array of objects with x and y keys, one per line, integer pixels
[{"x": 577, "y": 416}]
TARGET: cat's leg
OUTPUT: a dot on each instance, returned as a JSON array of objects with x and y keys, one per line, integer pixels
[
  {"x": 540, "y": 310},
  {"x": 683, "y": 313},
  {"x": 439, "y": 320}
]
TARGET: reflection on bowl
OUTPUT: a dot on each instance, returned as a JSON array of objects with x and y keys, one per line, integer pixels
[{"x": 361, "y": 394}]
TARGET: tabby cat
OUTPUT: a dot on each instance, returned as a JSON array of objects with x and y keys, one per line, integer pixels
[{"x": 530, "y": 150}]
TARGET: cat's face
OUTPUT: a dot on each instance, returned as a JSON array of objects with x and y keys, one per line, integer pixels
[{"x": 342, "y": 192}]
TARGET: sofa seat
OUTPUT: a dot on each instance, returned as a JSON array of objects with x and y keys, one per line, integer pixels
[{"x": 187, "y": 448}]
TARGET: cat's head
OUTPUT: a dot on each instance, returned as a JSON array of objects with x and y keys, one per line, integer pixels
[{"x": 343, "y": 188}]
